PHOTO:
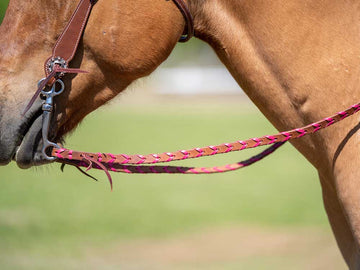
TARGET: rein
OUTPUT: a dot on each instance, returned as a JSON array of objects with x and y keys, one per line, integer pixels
[
  {"x": 135, "y": 163},
  {"x": 57, "y": 66}
]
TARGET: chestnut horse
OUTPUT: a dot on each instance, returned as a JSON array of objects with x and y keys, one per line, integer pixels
[{"x": 298, "y": 61}]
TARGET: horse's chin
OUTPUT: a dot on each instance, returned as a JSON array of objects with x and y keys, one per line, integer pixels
[{"x": 28, "y": 152}]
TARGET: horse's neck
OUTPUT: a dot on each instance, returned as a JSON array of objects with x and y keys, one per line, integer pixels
[{"x": 297, "y": 60}]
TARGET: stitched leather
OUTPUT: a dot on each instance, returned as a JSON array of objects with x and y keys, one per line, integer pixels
[
  {"x": 67, "y": 43},
  {"x": 120, "y": 162},
  {"x": 142, "y": 169}
]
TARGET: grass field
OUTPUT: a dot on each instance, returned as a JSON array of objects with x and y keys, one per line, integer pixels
[{"x": 48, "y": 214}]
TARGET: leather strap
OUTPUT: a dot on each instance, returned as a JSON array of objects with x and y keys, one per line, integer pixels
[
  {"x": 65, "y": 49},
  {"x": 120, "y": 162},
  {"x": 68, "y": 42},
  {"x": 189, "y": 31}
]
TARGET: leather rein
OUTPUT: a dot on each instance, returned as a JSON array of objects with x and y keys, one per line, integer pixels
[{"x": 57, "y": 66}]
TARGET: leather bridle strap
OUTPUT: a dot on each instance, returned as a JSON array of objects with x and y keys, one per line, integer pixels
[
  {"x": 189, "y": 31},
  {"x": 64, "y": 50},
  {"x": 67, "y": 44}
]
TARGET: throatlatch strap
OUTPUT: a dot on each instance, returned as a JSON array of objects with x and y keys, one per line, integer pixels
[{"x": 189, "y": 31}]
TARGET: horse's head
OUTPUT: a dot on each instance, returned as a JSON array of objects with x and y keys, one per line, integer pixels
[{"x": 124, "y": 40}]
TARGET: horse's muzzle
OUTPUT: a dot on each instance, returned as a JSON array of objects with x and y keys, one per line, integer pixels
[{"x": 20, "y": 138}]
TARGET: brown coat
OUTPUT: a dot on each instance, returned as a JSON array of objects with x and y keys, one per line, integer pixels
[{"x": 299, "y": 61}]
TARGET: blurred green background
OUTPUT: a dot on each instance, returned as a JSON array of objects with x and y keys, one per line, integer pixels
[
  {"x": 3, "y": 5},
  {"x": 55, "y": 220}
]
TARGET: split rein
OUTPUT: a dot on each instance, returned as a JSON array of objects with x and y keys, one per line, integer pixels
[
  {"x": 133, "y": 164},
  {"x": 57, "y": 66}
]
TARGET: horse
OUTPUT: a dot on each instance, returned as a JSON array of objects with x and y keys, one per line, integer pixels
[{"x": 298, "y": 61}]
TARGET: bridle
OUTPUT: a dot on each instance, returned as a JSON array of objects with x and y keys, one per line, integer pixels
[{"x": 57, "y": 66}]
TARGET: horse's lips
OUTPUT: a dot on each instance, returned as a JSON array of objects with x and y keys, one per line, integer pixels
[{"x": 28, "y": 152}]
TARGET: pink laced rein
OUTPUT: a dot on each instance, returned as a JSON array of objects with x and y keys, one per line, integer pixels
[{"x": 136, "y": 163}]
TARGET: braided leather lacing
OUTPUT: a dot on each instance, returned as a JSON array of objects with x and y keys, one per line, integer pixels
[{"x": 135, "y": 163}]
